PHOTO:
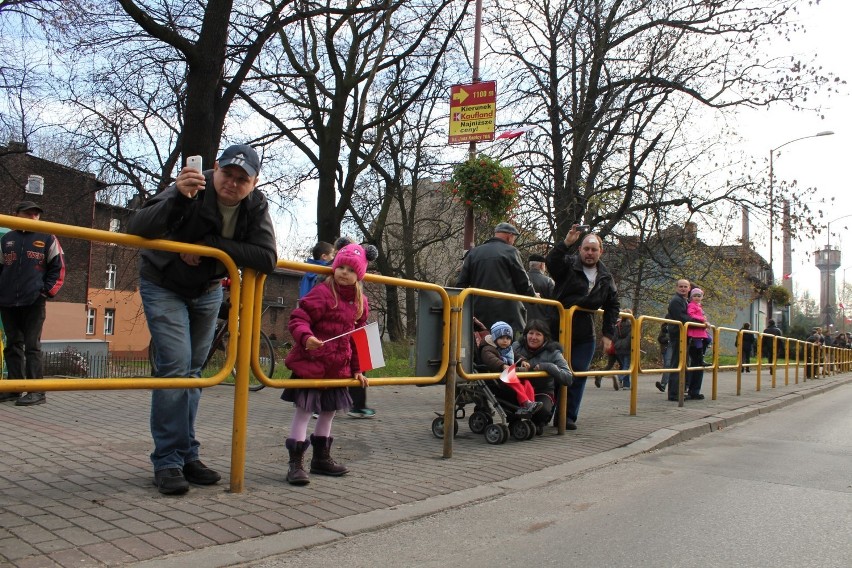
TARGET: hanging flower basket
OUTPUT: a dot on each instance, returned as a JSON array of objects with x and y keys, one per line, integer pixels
[{"x": 485, "y": 185}]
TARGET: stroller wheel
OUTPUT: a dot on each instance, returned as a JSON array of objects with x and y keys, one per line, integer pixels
[
  {"x": 532, "y": 433},
  {"x": 438, "y": 427},
  {"x": 495, "y": 434},
  {"x": 521, "y": 429},
  {"x": 478, "y": 421},
  {"x": 539, "y": 429}
]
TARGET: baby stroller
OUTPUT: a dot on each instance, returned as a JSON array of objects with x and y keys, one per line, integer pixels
[{"x": 496, "y": 413}]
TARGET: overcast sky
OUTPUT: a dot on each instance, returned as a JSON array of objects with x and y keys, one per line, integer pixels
[{"x": 816, "y": 162}]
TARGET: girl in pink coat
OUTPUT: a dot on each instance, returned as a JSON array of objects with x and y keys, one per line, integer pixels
[
  {"x": 336, "y": 306},
  {"x": 699, "y": 339}
]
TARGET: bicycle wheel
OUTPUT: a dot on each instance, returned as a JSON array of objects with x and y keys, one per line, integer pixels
[{"x": 266, "y": 356}]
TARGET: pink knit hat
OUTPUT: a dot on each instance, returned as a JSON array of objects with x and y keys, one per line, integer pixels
[
  {"x": 696, "y": 291},
  {"x": 356, "y": 257}
]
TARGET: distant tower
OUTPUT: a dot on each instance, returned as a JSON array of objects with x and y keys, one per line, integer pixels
[{"x": 828, "y": 261}]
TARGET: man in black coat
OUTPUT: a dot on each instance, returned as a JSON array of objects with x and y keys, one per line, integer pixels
[
  {"x": 583, "y": 280},
  {"x": 182, "y": 292},
  {"x": 496, "y": 265},
  {"x": 677, "y": 312}
]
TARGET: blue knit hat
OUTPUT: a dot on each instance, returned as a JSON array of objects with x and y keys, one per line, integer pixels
[{"x": 501, "y": 329}]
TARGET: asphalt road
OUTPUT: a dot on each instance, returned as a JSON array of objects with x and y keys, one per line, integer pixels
[{"x": 772, "y": 491}]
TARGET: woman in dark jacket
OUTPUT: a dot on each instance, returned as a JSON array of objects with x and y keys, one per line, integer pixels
[{"x": 534, "y": 351}]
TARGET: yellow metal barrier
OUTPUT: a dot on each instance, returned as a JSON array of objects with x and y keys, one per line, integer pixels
[{"x": 243, "y": 354}]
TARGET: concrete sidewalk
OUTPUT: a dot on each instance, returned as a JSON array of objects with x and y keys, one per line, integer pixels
[{"x": 77, "y": 490}]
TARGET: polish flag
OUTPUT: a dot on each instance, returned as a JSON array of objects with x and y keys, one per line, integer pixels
[
  {"x": 788, "y": 276},
  {"x": 842, "y": 307},
  {"x": 369, "y": 346},
  {"x": 517, "y": 132},
  {"x": 509, "y": 375}
]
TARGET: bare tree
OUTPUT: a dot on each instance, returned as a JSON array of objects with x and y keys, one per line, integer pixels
[
  {"x": 611, "y": 83},
  {"x": 341, "y": 80}
]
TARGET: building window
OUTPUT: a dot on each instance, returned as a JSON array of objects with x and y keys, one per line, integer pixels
[
  {"x": 109, "y": 321},
  {"x": 110, "y": 280},
  {"x": 35, "y": 185},
  {"x": 91, "y": 314}
]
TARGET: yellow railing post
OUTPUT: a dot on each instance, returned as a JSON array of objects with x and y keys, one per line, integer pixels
[{"x": 241, "y": 382}]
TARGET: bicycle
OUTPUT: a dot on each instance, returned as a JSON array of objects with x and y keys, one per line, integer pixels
[{"x": 219, "y": 350}]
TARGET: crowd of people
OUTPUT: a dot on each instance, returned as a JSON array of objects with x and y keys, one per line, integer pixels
[{"x": 182, "y": 293}]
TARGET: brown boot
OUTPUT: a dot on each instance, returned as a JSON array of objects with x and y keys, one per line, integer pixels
[
  {"x": 296, "y": 474},
  {"x": 321, "y": 461}
]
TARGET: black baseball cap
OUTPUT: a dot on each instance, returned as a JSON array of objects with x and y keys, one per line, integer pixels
[
  {"x": 241, "y": 155},
  {"x": 537, "y": 258},
  {"x": 27, "y": 206}
]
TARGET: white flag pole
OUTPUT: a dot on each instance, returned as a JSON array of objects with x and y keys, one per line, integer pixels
[{"x": 347, "y": 333}]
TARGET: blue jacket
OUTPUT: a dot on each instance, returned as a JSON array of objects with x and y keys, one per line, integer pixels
[
  {"x": 33, "y": 266},
  {"x": 309, "y": 280}
]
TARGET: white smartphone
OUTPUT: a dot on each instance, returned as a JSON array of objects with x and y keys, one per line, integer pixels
[{"x": 194, "y": 162}]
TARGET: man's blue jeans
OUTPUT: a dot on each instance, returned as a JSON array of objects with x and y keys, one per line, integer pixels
[
  {"x": 182, "y": 330},
  {"x": 581, "y": 360}
]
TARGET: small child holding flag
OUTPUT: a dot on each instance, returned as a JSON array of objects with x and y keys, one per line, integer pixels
[
  {"x": 324, "y": 346},
  {"x": 497, "y": 356}
]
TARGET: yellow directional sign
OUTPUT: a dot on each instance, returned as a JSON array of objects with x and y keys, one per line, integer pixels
[{"x": 473, "y": 109}]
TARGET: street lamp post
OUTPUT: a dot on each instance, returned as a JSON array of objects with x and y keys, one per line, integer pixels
[{"x": 770, "y": 307}]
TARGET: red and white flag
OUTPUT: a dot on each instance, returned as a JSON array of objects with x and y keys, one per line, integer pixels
[
  {"x": 788, "y": 276},
  {"x": 515, "y": 133},
  {"x": 842, "y": 307},
  {"x": 368, "y": 342},
  {"x": 509, "y": 375}
]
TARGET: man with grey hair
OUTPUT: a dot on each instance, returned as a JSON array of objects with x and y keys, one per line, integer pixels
[{"x": 496, "y": 265}]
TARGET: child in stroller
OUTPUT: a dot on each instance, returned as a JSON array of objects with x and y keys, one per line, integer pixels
[
  {"x": 496, "y": 355},
  {"x": 496, "y": 409}
]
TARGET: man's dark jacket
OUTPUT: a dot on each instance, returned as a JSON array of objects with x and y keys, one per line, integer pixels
[
  {"x": 677, "y": 312},
  {"x": 496, "y": 265},
  {"x": 33, "y": 266},
  {"x": 766, "y": 345},
  {"x": 572, "y": 289},
  {"x": 170, "y": 215}
]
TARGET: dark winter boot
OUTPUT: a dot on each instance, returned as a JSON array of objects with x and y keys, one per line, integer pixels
[
  {"x": 321, "y": 461},
  {"x": 296, "y": 474}
]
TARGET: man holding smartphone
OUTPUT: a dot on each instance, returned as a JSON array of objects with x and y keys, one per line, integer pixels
[{"x": 181, "y": 293}]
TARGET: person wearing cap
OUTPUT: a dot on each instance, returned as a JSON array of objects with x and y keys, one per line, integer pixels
[
  {"x": 583, "y": 280},
  {"x": 543, "y": 286},
  {"x": 496, "y": 265},
  {"x": 33, "y": 270},
  {"x": 182, "y": 292}
]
